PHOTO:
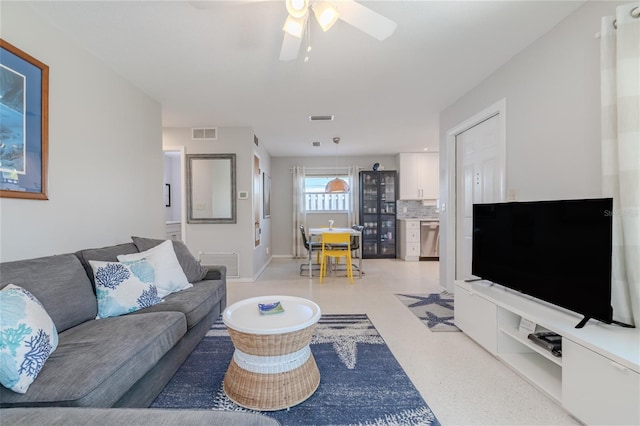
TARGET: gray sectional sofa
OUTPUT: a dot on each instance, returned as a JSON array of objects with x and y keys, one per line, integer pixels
[
  {"x": 122, "y": 361},
  {"x": 64, "y": 416}
]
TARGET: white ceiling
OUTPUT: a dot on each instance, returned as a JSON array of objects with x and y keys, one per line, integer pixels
[{"x": 219, "y": 66}]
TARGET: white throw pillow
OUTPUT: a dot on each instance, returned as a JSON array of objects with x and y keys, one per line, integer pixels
[
  {"x": 125, "y": 287},
  {"x": 170, "y": 277},
  {"x": 27, "y": 337}
]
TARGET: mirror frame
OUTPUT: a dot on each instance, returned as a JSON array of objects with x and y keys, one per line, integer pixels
[{"x": 190, "y": 185}]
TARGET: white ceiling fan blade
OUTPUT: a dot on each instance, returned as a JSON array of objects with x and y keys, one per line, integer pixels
[
  {"x": 290, "y": 47},
  {"x": 365, "y": 19}
]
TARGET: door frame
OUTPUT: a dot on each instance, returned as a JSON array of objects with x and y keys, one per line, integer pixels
[
  {"x": 183, "y": 187},
  {"x": 497, "y": 109}
]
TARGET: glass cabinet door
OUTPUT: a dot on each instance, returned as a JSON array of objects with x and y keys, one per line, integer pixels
[
  {"x": 378, "y": 213},
  {"x": 369, "y": 213}
]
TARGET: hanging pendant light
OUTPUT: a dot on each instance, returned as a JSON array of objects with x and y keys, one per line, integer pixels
[{"x": 336, "y": 185}]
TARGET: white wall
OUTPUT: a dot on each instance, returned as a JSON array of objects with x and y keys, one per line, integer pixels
[
  {"x": 172, "y": 176},
  {"x": 552, "y": 92},
  {"x": 237, "y": 237},
  {"x": 102, "y": 133},
  {"x": 282, "y": 192}
]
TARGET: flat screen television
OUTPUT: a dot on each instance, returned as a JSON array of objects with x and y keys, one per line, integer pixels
[{"x": 556, "y": 251}]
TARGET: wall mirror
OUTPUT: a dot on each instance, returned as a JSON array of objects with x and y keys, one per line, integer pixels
[{"x": 211, "y": 188}]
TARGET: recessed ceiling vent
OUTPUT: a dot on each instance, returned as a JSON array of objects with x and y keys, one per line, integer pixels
[
  {"x": 204, "y": 134},
  {"x": 321, "y": 118},
  {"x": 316, "y": 143}
]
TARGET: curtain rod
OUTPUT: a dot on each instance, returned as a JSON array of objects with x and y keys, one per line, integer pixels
[{"x": 328, "y": 167}]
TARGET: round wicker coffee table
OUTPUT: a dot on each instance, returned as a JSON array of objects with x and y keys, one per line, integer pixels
[{"x": 272, "y": 366}]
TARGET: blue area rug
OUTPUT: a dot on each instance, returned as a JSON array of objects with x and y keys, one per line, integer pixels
[
  {"x": 361, "y": 383},
  {"x": 434, "y": 310}
]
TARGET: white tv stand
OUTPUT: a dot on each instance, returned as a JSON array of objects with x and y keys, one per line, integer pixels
[{"x": 597, "y": 379}]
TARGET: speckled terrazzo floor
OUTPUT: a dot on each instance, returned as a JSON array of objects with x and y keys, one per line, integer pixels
[{"x": 462, "y": 383}]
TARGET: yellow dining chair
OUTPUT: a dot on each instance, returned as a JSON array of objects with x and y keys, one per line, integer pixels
[{"x": 331, "y": 240}]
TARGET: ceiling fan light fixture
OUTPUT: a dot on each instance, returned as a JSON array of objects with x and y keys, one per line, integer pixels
[
  {"x": 297, "y": 8},
  {"x": 326, "y": 14},
  {"x": 294, "y": 26}
]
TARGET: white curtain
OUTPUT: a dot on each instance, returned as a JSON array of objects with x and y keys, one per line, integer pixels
[
  {"x": 354, "y": 208},
  {"x": 298, "y": 173},
  {"x": 620, "y": 97}
]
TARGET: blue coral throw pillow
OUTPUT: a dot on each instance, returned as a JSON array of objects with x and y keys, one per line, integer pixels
[
  {"x": 27, "y": 337},
  {"x": 124, "y": 287}
]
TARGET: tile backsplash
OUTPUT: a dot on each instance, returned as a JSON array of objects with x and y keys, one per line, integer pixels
[{"x": 416, "y": 209}]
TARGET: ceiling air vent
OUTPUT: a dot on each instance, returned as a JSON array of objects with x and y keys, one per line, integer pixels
[
  {"x": 204, "y": 134},
  {"x": 321, "y": 118}
]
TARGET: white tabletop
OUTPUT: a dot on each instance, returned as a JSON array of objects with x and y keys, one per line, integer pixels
[
  {"x": 245, "y": 317},
  {"x": 319, "y": 231}
]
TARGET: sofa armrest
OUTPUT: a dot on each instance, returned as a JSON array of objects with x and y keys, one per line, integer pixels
[{"x": 216, "y": 272}]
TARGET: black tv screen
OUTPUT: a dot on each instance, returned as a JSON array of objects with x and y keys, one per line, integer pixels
[{"x": 556, "y": 251}]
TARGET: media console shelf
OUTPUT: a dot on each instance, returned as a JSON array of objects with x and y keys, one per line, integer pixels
[{"x": 597, "y": 379}]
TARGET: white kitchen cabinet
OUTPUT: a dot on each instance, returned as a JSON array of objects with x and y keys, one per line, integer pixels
[
  {"x": 409, "y": 240},
  {"x": 418, "y": 175}
]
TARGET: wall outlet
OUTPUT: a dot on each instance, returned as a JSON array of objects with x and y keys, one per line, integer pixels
[
  {"x": 266, "y": 250},
  {"x": 200, "y": 206},
  {"x": 404, "y": 210},
  {"x": 512, "y": 194}
]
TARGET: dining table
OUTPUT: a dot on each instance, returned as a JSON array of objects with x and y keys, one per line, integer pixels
[{"x": 317, "y": 233}]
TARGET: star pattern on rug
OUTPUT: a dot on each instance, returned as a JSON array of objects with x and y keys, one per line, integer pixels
[
  {"x": 429, "y": 299},
  {"x": 423, "y": 301},
  {"x": 345, "y": 339}
]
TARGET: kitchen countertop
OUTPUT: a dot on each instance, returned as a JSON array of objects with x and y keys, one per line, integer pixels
[{"x": 423, "y": 219}]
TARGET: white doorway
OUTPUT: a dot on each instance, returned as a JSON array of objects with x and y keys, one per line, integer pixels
[
  {"x": 174, "y": 193},
  {"x": 476, "y": 159}
]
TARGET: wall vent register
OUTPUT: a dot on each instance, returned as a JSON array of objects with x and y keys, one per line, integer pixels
[{"x": 204, "y": 133}]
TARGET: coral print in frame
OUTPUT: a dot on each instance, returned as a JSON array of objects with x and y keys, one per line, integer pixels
[{"x": 24, "y": 98}]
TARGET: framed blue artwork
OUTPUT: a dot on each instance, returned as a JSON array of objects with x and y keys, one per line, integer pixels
[{"x": 24, "y": 121}]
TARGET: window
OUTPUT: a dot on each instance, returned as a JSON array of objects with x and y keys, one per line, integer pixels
[{"x": 316, "y": 200}]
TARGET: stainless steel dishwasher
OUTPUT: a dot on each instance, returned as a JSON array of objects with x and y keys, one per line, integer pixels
[{"x": 429, "y": 238}]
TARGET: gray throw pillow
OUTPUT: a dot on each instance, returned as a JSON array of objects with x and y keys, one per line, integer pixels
[{"x": 190, "y": 265}]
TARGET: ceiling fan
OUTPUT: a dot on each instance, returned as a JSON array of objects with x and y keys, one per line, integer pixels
[{"x": 327, "y": 13}]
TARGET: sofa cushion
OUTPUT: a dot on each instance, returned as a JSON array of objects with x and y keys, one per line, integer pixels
[
  {"x": 190, "y": 265},
  {"x": 27, "y": 338},
  {"x": 98, "y": 361},
  {"x": 169, "y": 275},
  {"x": 123, "y": 288},
  {"x": 59, "y": 282},
  {"x": 132, "y": 416},
  {"x": 106, "y": 254},
  {"x": 195, "y": 302}
]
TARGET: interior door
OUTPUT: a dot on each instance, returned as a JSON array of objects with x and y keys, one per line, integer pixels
[{"x": 477, "y": 181}]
